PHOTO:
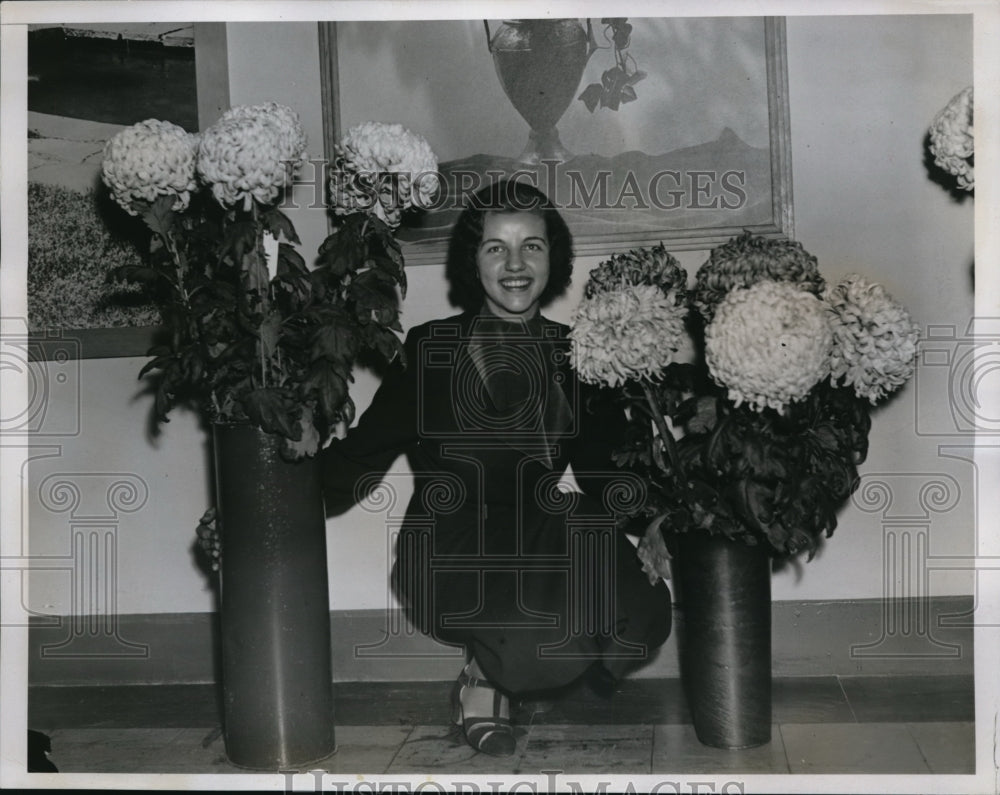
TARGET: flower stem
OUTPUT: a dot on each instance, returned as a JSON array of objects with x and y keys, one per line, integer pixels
[
  {"x": 261, "y": 278},
  {"x": 667, "y": 438}
]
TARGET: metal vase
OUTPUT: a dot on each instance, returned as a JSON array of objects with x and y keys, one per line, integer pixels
[
  {"x": 724, "y": 594},
  {"x": 277, "y": 675},
  {"x": 539, "y": 63}
]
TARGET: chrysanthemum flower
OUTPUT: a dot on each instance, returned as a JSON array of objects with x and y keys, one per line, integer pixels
[
  {"x": 875, "y": 339},
  {"x": 384, "y": 169},
  {"x": 655, "y": 266},
  {"x": 746, "y": 260},
  {"x": 769, "y": 344},
  {"x": 629, "y": 333},
  {"x": 952, "y": 142},
  {"x": 253, "y": 151},
  {"x": 149, "y": 159}
]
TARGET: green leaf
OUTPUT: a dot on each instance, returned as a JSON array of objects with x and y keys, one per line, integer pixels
[
  {"x": 343, "y": 250},
  {"x": 274, "y": 411},
  {"x": 374, "y": 300},
  {"x": 290, "y": 261},
  {"x": 702, "y": 414},
  {"x": 307, "y": 445},
  {"x": 155, "y": 364},
  {"x": 591, "y": 96},
  {"x": 159, "y": 216},
  {"x": 389, "y": 346},
  {"x": 279, "y": 225},
  {"x": 336, "y": 342},
  {"x": 240, "y": 239},
  {"x": 270, "y": 334},
  {"x": 330, "y": 388},
  {"x": 612, "y": 78}
]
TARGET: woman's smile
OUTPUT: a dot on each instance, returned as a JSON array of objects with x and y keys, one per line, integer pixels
[{"x": 513, "y": 263}]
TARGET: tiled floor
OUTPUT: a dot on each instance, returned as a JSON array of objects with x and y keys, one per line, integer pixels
[{"x": 831, "y": 724}]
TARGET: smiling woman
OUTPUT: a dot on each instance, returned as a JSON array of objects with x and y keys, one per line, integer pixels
[
  {"x": 540, "y": 586},
  {"x": 513, "y": 263}
]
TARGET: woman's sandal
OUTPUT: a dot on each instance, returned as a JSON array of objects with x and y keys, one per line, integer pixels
[{"x": 490, "y": 734}]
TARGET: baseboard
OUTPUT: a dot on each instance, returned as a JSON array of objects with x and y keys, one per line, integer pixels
[{"x": 814, "y": 638}]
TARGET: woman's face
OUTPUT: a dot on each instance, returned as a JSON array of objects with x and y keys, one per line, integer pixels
[{"x": 513, "y": 263}]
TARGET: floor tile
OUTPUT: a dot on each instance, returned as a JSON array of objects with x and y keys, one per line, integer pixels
[
  {"x": 588, "y": 749},
  {"x": 364, "y": 749},
  {"x": 911, "y": 698},
  {"x": 646, "y": 701},
  {"x": 809, "y": 699},
  {"x": 360, "y": 749},
  {"x": 677, "y": 749},
  {"x": 115, "y": 750},
  {"x": 195, "y": 751},
  {"x": 443, "y": 749},
  {"x": 851, "y": 748},
  {"x": 947, "y": 747}
]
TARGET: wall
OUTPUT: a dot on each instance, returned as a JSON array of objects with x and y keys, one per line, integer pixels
[{"x": 862, "y": 92}]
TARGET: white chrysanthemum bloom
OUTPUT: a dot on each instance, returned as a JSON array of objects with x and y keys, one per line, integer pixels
[
  {"x": 874, "y": 338},
  {"x": 769, "y": 344},
  {"x": 385, "y": 169},
  {"x": 253, "y": 152},
  {"x": 287, "y": 120},
  {"x": 952, "y": 142},
  {"x": 626, "y": 334},
  {"x": 149, "y": 159}
]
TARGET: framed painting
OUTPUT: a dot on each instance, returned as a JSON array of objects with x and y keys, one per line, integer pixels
[
  {"x": 641, "y": 130},
  {"x": 86, "y": 82}
]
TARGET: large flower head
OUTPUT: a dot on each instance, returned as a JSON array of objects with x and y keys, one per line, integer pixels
[
  {"x": 653, "y": 266},
  {"x": 746, "y": 260},
  {"x": 252, "y": 152},
  {"x": 952, "y": 142},
  {"x": 769, "y": 344},
  {"x": 149, "y": 159},
  {"x": 874, "y": 338},
  {"x": 626, "y": 334},
  {"x": 384, "y": 169}
]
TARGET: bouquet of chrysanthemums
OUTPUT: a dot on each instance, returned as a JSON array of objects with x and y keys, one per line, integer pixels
[
  {"x": 253, "y": 333},
  {"x": 748, "y": 395}
]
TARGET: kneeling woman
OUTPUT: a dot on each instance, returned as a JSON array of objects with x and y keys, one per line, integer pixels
[{"x": 537, "y": 584}]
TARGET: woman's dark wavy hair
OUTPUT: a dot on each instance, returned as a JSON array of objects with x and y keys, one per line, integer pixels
[{"x": 505, "y": 196}]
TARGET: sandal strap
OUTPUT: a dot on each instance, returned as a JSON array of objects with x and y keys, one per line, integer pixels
[{"x": 468, "y": 680}]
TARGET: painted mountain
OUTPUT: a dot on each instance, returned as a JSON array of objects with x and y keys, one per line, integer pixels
[{"x": 675, "y": 196}]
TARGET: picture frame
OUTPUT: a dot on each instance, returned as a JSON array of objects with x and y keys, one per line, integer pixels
[
  {"x": 691, "y": 193},
  {"x": 65, "y": 140}
]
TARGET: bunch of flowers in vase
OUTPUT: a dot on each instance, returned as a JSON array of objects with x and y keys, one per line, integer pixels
[
  {"x": 254, "y": 334},
  {"x": 264, "y": 345},
  {"x": 751, "y": 427}
]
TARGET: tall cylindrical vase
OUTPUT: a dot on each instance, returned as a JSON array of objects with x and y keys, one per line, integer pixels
[
  {"x": 725, "y": 638},
  {"x": 275, "y": 617}
]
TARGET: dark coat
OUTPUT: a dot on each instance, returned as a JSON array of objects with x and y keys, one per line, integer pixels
[{"x": 538, "y": 584}]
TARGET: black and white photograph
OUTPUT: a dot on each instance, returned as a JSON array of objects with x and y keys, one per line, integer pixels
[{"x": 477, "y": 398}]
